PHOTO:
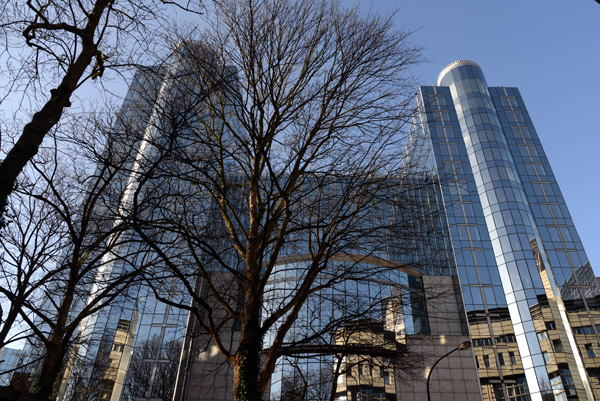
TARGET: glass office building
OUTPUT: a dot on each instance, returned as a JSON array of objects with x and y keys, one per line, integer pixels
[
  {"x": 9, "y": 360},
  {"x": 500, "y": 243},
  {"x": 142, "y": 349},
  {"x": 529, "y": 291}
]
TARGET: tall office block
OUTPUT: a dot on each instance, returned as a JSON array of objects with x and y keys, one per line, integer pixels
[
  {"x": 529, "y": 290},
  {"x": 140, "y": 349},
  {"x": 502, "y": 266},
  {"x": 9, "y": 360}
]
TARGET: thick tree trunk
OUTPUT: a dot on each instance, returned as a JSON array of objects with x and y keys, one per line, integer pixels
[
  {"x": 44, "y": 120},
  {"x": 246, "y": 367},
  {"x": 9, "y": 320},
  {"x": 51, "y": 369},
  {"x": 57, "y": 346},
  {"x": 246, "y": 363}
]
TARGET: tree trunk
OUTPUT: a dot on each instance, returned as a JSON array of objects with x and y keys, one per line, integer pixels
[
  {"x": 57, "y": 346},
  {"x": 51, "y": 369},
  {"x": 44, "y": 120},
  {"x": 13, "y": 312},
  {"x": 246, "y": 367}
]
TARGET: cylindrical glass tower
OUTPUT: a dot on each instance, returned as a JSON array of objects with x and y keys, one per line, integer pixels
[{"x": 516, "y": 241}]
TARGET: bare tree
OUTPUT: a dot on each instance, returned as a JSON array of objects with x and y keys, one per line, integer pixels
[
  {"x": 278, "y": 155},
  {"x": 30, "y": 250},
  {"x": 51, "y": 48},
  {"x": 65, "y": 239}
]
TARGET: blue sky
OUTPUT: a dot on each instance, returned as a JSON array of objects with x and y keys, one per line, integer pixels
[{"x": 550, "y": 50}]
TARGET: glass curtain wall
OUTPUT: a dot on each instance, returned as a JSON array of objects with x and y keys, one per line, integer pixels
[{"x": 510, "y": 232}]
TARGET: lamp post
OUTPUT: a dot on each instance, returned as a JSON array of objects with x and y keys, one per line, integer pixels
[{"x": 460, "y": 347}]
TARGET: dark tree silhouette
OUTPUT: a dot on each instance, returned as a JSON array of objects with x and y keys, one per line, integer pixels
[
  {"x": 278, "y": 150},
  {"x": 51, "y": 49}
]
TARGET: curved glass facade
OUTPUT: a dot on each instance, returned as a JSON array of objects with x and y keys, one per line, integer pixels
[
  {"x": 517, "y": 251},
  {"x": 388, "y": 306},
  {"x": 376, "y": 302}
]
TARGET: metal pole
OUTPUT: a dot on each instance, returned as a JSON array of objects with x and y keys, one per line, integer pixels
[{"x": 460, "y": 347}]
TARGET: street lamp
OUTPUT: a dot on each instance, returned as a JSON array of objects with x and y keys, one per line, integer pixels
[{"x": 460, "y": 347}]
